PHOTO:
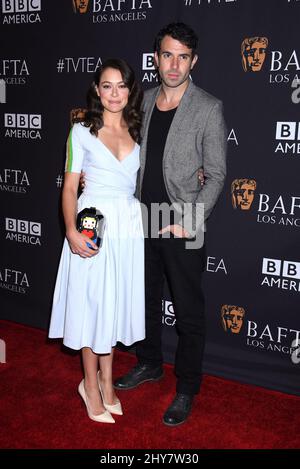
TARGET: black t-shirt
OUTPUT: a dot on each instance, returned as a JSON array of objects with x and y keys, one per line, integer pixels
[{"x": 153, "y": 187}]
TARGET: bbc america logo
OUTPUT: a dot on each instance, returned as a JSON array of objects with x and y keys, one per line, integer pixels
[
  {"x": 21, "y": 11},
  {"x": 281, "y": 274},
  {"x": 26, "y": 126},
  {"x": 168, "y": 317},
  {"x": 148, "y": 61},
  {"x": 20, "y": 6},
  {"x": 289, "y": 135},
  {"x": 148, "y": 66},
  {"x": 23, "y": 231}
]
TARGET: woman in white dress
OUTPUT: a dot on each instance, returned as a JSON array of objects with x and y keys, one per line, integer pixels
[{"x": 99, "y": 293}]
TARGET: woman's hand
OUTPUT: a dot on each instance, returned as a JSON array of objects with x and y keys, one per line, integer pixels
[
  {"x": 201, "y": 176},
  {"x": 77, "y": 242},
  {"x": 177, "y": 231}
]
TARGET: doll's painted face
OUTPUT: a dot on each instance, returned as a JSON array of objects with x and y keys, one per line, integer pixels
[{"x": 89, "y": 223}]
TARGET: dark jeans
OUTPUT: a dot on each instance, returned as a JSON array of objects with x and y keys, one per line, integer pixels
[{"x": 183, "y": 269}]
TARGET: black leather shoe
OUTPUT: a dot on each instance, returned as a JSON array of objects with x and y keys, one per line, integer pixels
[
  {"x": 179, "y": 410},
  {"x": 138, "y": 375}
]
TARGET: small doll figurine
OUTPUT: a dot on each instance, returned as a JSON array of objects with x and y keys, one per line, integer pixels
[
  {"x": 89, "y": 228},
  {"x": 90, "y": 222}
]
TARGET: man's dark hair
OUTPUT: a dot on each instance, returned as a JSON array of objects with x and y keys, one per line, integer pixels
[{"x": 181, "y": 32}]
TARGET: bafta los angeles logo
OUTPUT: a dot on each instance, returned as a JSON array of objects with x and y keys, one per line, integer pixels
[
  {"x": 80, "y": 6},
  {"x": 232, "y": 318},
  {"x": 242, "y": 193},
  {"x": 253, "y": 51}
]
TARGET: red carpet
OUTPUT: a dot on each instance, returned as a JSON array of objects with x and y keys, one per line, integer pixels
[{"x": 40, "y": 407}]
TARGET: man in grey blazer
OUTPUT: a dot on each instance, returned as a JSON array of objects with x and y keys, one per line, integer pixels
[{"x": 183, "y": 130}]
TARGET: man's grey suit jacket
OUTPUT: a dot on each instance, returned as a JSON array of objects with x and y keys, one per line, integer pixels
[{"x": 197, "y": 138}]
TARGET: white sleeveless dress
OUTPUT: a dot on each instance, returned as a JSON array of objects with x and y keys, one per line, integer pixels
[{"x": 99, "y": 301}]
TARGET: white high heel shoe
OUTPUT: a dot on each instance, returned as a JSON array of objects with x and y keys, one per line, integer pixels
[
  {"x": 112, "y": 408},
  {"x": 105, "y": 417}
]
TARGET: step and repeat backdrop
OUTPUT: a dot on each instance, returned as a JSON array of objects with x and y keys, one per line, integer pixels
[{"x": 249, "y": 56}]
